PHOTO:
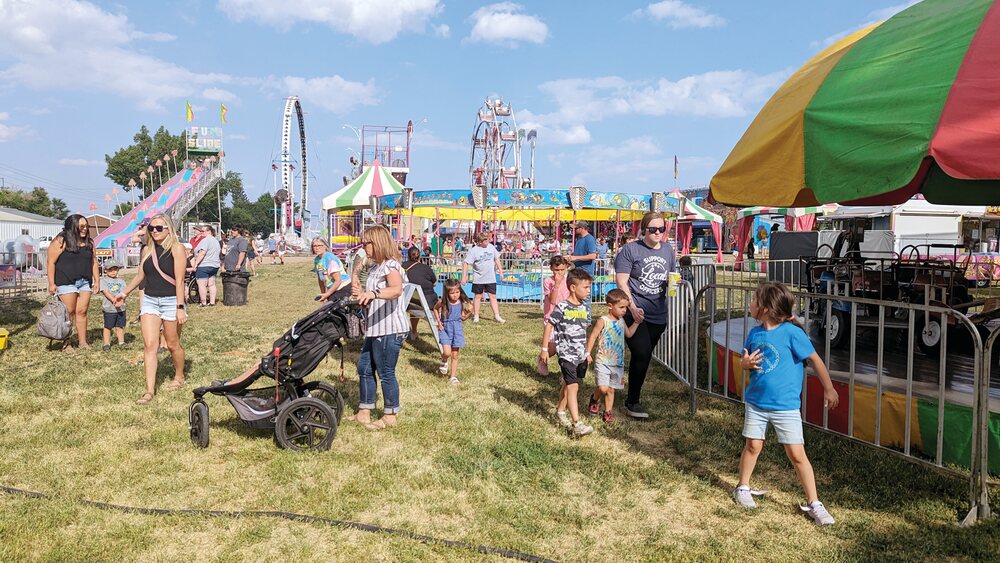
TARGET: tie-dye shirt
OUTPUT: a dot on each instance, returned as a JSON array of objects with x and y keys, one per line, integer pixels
[{"x": 611, "y": 343}]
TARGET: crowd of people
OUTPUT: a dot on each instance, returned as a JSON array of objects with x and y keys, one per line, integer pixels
[{"x": 635, "y": 320}]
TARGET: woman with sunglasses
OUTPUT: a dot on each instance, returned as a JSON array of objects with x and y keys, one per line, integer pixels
[
  {"x": 642, "y": 268},
  {"x": 162, "y": 267},
  {"x": 72, "y": 267},
  {"x": 386, "y": 330}
]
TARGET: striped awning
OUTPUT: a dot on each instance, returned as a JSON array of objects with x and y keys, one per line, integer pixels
[{"x": 375, "y": 181}]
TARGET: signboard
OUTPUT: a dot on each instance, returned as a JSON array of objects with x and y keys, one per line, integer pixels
[
  {"x": 134, "y": 250},
  {"x": 8, "y": 276},
  {"x": 204, "y": 139},
  {"x": 993, "y": 210},
  {"x": 103, "y": 252}
]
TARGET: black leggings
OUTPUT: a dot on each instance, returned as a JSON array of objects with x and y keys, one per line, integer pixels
[{"x": 641, "y": 346}]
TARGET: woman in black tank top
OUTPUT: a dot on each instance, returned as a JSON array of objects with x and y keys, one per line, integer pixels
[
  {"x": 72, "y": 269},
  {"x": 162, "y": 270}
]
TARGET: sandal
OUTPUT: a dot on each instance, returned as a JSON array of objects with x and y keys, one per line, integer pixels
[
  {"x": 175, "y": 385},
  {"x": 146, "y": 397},
  {"x": 379, "y": 424}
]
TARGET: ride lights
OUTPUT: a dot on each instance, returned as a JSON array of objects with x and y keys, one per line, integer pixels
[
  {"x": 406, "y": 200},
  {"x": 479, "y": 197},
  {"x": 576, "y": 196},
  {"x": 656, "y": 201}
]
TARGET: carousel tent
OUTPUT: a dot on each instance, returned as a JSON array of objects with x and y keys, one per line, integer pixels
[
  {"x": 797, "y": 219},
  {"x": 688, "y": 212},
  {"x": 375, "y": 181}
]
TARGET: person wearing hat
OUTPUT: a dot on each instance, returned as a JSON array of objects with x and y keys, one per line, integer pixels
[
  {"x": 114, "y": 316},
  {"x": 585, "y": 249}
]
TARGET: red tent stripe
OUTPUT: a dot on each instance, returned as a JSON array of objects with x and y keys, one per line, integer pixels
[
  {"x": 967, "y": 142},
  {"x": 377, "y": 179}
]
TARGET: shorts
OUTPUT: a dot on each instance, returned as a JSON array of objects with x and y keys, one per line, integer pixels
[
  {"x": 453, "y": 335},
  {"x": 479, "y": 288},
  {"x": 114, "y": 320},
  {"x": 787, "y": 424},
  {"x": 610, "y": 376},
  {"x": 205, "y": 272},
  {"x": 573, "y": 372},
  {"x": 79, "y": 286},
  {"x": 163, "y": 307}
]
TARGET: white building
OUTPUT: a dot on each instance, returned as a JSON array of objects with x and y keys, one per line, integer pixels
[{"x": 14, "y": 223}]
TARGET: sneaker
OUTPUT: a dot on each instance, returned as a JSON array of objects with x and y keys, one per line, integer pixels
[
  {"x": 106, "y": 348},
  {"x": 443, "y": 368},
  {"x": 564, "y": 419},
  {"x": 818, "y": 513},
  {"x": 607, "y": 417},
  {"x": 499, "y": 319},
  {"x": 453, "y": 380},
  {"x": 543, "y": 367},
  {"x": 635, "y": 410},
  {"x": 475, "y": 319},
  {"x": 743, "y": 496},
  {"x": 594, "y": 407},
  {"x": 581, "y": 429}
]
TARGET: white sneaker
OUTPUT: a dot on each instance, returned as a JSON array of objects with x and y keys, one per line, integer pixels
[
  {"x": 475, "y": 319},
  {"x": 581, "y": 429},
  {"x": 744, "y": 496},
  {"x": 499, "y": 320},
  {"x": 564, "y": 419},
  {"x": 443, "y": 368},
  {"x": 818, "y": 513}
]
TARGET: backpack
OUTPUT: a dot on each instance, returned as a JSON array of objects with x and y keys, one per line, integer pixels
[{"x": 53, "y": 321}]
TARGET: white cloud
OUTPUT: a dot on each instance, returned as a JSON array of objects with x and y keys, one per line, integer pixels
[
  {"x": 10, "y": 132},
  {"x": 873, "y": 17},
  {"x": 639, "y": 159},
  {"x": 236, "y": 137},
  {"x": 679, "y": 15},
  {"x": 331, "y": 93},
  {"x": 442, "y": 30},
  {"x": 156, "y": 36},
  {"x": 75, "y": 45},
  {"x": 218, "y": 95},
  {"x": 427, "y": 139},
  {"x": 716, "y": 94},
  {"x": 374, "y": 21},
  {"x": 503, "y": 24},
  {"x": 80, "y": 162}
]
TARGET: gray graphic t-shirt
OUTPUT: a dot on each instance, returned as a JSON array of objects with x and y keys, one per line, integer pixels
[
  {"x": 647, "y": 281},
  {"x": 483, "y": 262},
  {"x": 570, "y": 324}
]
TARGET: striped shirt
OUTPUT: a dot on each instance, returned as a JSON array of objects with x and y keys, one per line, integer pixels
[{"x": 385, "y": 316}]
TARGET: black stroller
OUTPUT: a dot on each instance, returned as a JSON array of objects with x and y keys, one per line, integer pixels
[{"x": 304, "y": 416}]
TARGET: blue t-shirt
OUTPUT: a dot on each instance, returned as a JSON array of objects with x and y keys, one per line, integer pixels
[
  {"x": 602, "y": 250},
  {"x": 585, "y": 245},
  {"x": 777, "y": 385}
]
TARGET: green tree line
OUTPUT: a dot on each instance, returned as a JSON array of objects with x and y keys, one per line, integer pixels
[{"x": 36, "y": 201}]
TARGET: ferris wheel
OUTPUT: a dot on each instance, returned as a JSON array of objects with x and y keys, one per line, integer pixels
[{"x": 496, "y": 147}]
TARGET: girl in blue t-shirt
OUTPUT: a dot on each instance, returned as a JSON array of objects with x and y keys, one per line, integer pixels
[{"x": 775, "y": 353}]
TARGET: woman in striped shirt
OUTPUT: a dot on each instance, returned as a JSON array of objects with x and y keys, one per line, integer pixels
[{"x": 388, "y": 326}]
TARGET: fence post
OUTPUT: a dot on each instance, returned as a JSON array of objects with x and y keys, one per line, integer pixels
[{"x": 979, "y": 493}]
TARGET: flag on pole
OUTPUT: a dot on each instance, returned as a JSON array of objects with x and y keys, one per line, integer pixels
[
  {"x": 223, "y": 110},
  {"x": 675, "y": 167},
  {"x": 190, "y": 112}
]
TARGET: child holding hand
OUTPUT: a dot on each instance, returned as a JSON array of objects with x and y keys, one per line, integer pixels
[
  {"x": 775, "y": 353},
  {"x": 609, "y": 334},
  {"x": 554, "y": 291}
]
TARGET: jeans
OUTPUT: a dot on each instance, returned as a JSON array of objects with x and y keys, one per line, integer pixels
[
  {"x": 380, "y": 353},
  {"x": 641, "y": 346}
]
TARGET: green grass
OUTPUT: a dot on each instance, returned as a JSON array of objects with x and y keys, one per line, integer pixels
[{"x": 483, "y": 463}]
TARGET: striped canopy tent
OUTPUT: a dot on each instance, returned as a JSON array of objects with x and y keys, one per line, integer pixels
[
  {"x": 687, "y": 213},
  {"x": 905, "y": 106},
  {"x": 796, "y": 219},
  {"x": 375, "y": 181}
]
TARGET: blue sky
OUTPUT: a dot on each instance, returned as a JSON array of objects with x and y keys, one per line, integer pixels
[{"x": 615, "y": 89}]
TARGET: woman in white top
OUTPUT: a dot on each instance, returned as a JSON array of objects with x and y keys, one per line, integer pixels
[{"x": 387, "y": 327}]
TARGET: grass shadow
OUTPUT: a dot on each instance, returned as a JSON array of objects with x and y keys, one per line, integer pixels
[{"x": 19, "y": 312}]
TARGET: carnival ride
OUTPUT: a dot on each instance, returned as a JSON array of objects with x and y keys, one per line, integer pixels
[
  {"x": 495, "y": 161},
  {"x": 284, "y": 197}
]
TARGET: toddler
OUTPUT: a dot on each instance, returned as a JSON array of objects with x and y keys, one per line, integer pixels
[
  {"x": 569, "y": 320},
  {"x": 450, "y": 312},
  {"x": 114, "y": 316},
  {"x": 609, "y": 333}
]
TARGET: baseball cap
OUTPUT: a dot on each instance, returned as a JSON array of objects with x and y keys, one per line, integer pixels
[
  {"x": 583, "y": 224},
  {"x": 112, "y": 263}
]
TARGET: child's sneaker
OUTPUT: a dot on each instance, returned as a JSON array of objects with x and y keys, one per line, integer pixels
[
  {"x": 607, "y": 417},
  {"x": 499, "y": 319},
  {"x": 543, "y": 367},
  {"x": 453, "y": 380},
  {"x": 594, "y": 407},
  {"x": 743, "y": 496},
  {"x": 581, "y": 429},
  {"x": 564, "y": 419},
  {"x": 818, "y": 513},
  {"x": 106, "y": 348},
  {"x": 475, "y": 319},
  {"x": 443, "y": 368}
]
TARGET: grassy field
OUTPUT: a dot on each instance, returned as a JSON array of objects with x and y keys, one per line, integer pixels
[{"x": 483, "y": 463}]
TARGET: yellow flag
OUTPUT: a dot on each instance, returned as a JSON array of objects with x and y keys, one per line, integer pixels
[
  {"x": 222, "y": 113},
  {"x": 190, "y": 112}
]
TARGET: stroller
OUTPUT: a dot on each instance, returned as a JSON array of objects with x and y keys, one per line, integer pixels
[{"x": 304, "y": 416}]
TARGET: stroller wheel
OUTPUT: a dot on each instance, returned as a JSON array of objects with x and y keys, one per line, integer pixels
[
  {"x": 328, "y": 394},
  {"x": 306, "y": 424},
  {"x": 198, "y": 423}
]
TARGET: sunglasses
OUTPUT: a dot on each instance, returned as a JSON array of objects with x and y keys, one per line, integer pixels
[
  {"x": 367, "y": 242},
  {"x": 156, "y": 228},
  {"x": 654, "y": 230}
]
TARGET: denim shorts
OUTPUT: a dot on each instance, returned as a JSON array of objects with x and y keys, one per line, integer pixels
[
  {"x": 163, "y": 307},
  {"x": 787, "y": 424},
  {"x": 205, "y": 272},
  {"x": 79, "y": 286}
]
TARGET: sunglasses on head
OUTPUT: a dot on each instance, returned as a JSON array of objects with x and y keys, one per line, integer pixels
[
  {"x": 655, "y": 230},
  {"x": 156, "y": 228}
]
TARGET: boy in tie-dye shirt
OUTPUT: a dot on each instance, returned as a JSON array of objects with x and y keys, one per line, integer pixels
[{"x": 609, "y": 334}]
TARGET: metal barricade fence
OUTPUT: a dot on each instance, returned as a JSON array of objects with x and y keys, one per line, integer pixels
[
  {"x": 918, "y": 407},
  {"x": 674, "y": 351},
  {"x": 22, "y": 274}
]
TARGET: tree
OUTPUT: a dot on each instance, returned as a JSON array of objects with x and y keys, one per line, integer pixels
[
  {"x": 129, "y": 162},
  {"x": 37, "y": 201}
]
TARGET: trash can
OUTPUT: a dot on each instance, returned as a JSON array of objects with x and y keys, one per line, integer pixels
[{"x": 234, "y": 287}]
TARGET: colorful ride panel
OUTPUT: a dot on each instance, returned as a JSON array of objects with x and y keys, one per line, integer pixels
[{"x": 160, "y": 201}]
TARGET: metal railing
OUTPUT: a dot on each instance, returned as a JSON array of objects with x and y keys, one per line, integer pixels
[
  {"x": 22, "y": 274},
  {"x": 891, "y": 398}
]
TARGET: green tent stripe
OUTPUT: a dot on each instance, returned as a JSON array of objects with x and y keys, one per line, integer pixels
[
  {"x": 871, "y": 121},
  {"x": 347, "y": 198}
]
